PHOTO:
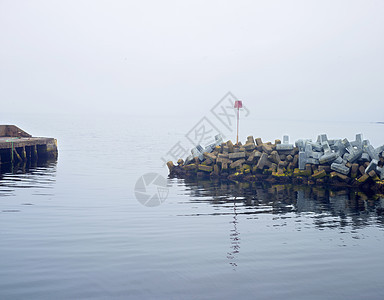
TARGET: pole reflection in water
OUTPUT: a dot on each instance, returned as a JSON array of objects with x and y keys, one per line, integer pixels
[{"x": 235, "y": 239}]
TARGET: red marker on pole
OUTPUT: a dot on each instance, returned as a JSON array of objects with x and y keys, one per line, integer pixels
[{"x": 238, "y": 105}]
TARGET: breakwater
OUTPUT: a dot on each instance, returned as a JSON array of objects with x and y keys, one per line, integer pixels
[{"x": 327, "y": 162}]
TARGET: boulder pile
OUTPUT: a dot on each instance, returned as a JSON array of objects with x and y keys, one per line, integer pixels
[{"x": 334, "y": 162}]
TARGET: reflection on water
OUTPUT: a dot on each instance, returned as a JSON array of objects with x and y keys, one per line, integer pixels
[
  {"x": 40, "y": 175},
  {"x": 235, "y": 239},
  {"x": 350, "y": 206}
]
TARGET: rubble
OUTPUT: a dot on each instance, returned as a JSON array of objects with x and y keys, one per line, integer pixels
[{"x": 329, "y": 162}]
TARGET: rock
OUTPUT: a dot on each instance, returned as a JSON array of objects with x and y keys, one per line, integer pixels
[
  {"x": 266, "y": 148},
  {"x": 180, "y": 162}
]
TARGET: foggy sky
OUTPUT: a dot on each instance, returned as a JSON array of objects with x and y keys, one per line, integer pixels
[{"x": 284, "y": 59}]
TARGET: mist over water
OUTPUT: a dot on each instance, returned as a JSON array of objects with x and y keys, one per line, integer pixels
[{"x": 74, "y": 228}]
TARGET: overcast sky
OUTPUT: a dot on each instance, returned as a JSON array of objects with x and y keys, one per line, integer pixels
[{"x": 282, "y": 58}]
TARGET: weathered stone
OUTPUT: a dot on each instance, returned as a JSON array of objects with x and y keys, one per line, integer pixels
[
  {"x": 249, "y": 146},
  {"x": 237, "y": 163},
  {"x": 266, "y": 148},
  {"x": 277, "y": 142},
  {"x": 216, "y": 169},
  {"x": 259, "y": 142},
  {"x": 274, "y": 157},
  {"x": 354, "y": 169},
  {"x": 319, "y": 174},
  {"x": 262, "y": 161},
  {"x": 225, "y": 149},
  {"x": 363, "y": 178},
  {"x": 289, "y": 158},
  {"x": 372, "y": 174},
  {"x": 223, "y": 155},
  {"x": 221, "y": 160},
  {"x": 237, "y": 155},
  {"x": 339, "y": 175},
  {"x": 170, "y": 165},
  {"x": 211, "y": 156},
  {"x": 250, "y": 140},
  {"x": 362, "y": 170},
  {"x": 298, "y": 172},
  {"x": 205, "y": 168},
  {"x": 189, "y": 167},
  {"x": 230, "y": 146},
  {"x": 325, "y": 168},
  {"x": 340, "y": 168},
  {"x": 180, "y": 162}
]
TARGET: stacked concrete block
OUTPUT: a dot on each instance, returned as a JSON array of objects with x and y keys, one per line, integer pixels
[{"x": 324, "y": 161}]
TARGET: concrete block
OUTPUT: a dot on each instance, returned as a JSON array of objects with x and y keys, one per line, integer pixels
[
  {"x": 302, "y": 160},
  {"x": 340, "y": 168},
  {"x": 237, "y": 163},
  {"x": 363, "y": 178},
  {"x": 328, "y": 158},
  {"x": 371, "y": 152},
  {"x": 326, "y": 148},
  {"x": 285, "y": 139},
  {"x": 358, "y": 142},
  {"x": 319, "y": 174},
  {"x": 259, "y": 142},
  {"x": 211, "y": 156},
  {"x": 262, "y": 161},
  {"x": 198, "y": 152},
  {"x": 284, "y": 147},
  {"x": 322, "y": 138},
  {"x": 236, "y": 155},
  {"x": 205, "y": 168},
  {"x": 372, "y": 165},
  {"x": 267, "y": 148},
  {"x": 250, "y": 140},
  {"x": 274, "y": 157},
  {"x": 379, "y": 150},
  {"x": 249, "y": 146},
  {"x": 364, "y": 157},
  {"x": 316, "y": 147},
  {"x": 312, "y": 161},
  {"x": 380, "y": 170},
  {"x": 218, "y": 140},
  {"x": 189, "y": 159},
  {"x": 339, "y": 160},
  {"x": 354, "y": 155},
  {"x": 362, "y": 170}
]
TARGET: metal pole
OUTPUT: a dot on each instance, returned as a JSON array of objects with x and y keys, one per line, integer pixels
[{"x": 237, "y": 137}]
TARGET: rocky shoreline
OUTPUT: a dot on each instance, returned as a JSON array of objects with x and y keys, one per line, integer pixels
[{"x": 325, "y": 162}]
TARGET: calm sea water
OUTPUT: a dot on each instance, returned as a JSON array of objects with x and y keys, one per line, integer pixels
[{"x": 75, "y": 230}]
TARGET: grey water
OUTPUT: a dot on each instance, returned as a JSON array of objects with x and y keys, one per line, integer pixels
[{"x": 74, "y": 229}]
